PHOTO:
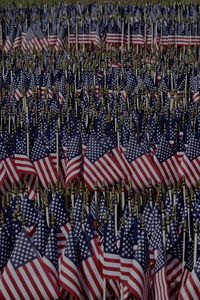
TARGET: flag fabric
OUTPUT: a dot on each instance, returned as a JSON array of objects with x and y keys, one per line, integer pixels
[
  {"x": 141, "y": 165},
  {"x": 24, "y": 276},
  {"x": 190, "y": 167},
  {"x": 57, "y": 209},
  {"x": 23, "y": 163},
  {"x": 90, "y": 271},
  {"x": 69, "y": 273},
  {"x": 8, "y": 165},
  {"x": 111, "y": 257},
  {"x": 167, "y": 161},
  {"x": 161, "y": 288},
  {"x": 191, "y": 288},
  {"x": 98, "y": 165},
  {"x": 139, "y": 278},
  {"x": 10, "y": 39},
  {"x": 74, "y": 158},
  {"x": 43, "y": 164}
]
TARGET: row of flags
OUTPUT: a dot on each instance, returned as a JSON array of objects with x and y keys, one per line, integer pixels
[
  {"x": 77, "y": 122},
  {"x": 121, "y": 31},
  {"x": 147, "y": 248},
  {"x": 170, "y": 75},
  {"x": 43, "y": 142},
  {"x": 63, "y": 26}
]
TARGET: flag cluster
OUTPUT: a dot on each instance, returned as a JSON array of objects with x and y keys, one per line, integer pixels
[
  {"x": 66, "y": 123},
  {"x": 147, "y": 250},
  {"x": 100, "y": 152},
  {"x": 96, "y": 25}
]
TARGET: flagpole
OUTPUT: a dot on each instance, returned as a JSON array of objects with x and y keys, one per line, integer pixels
[
  {"x": 123, "y": 196},
  {"x": 184, "y": 244},
  {"x": 195, "y": 243}
]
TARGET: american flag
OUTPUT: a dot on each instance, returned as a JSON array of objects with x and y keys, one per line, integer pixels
[
  {"x": 77, "y": 214},
  {"x": 113, "y": 35},
  {"x": 29, "y": 212},
  {"x": 10, "y": 39},
  {"x": 74, "y": 158},
  {"x": 43, "y": 164},
  {"x": 83, "y": 33},
  {"x": 28, "y": 41},
  {"x": 126, "y": 251},
  {"x": 167, "y": 161},
  {"x": 161, "y": 288},
  {"x": 190, "y": 164},
  {"x": 8, "y": 166},
  {"x": 40, "y": 40},
  {"x": 139, "y": 278},
  {"x": 184, "y": 288},
  {"x": 25, "y": 276},
  {"x": 95, "y": 34},
  {"x": 62, "y": 86},
  {"x": 52, "y": 33},
  {"x": 22, "y": 161},
  {"x": 191, "y": 289},
  {"x": 21, "y": 85},
  {"x": 90, "y": 270},
  {"x": 99, "y": 165},
  {"x": 18, "y": 38},
  {"x": 69, "y": 272},
  {"x": 61, "y": 38},
  {"x": 174, "y": 268},
  {"x": 6, "y": 246},
  {"x": 183, "y": 36},
  {"x": 41, "y": 234},
  {"x": 141, "y": 165},
  {"x": 111, "y": 257},
  {"x": 136, "y": 35},
  {"x": 50, "y": 257},
  {"x": 57, "y": 209}
]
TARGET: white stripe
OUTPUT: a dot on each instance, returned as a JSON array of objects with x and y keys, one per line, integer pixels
[
  {"x": 45, "y": 278},
  {"x": 109, "y": 168},
  {"x": 11, "y": 286},
  {"x": 4, "y": 291},
  {"x": 37, "y": 282},
  {"x": 40, "y": 175},
  {"x": 68, "y": 283},
  {"x": 190, "y": 287},
  {"x": 30, "y": 286},
  {"x": 91, "y": 280},
  {"x": 114, "y": 166},
  {"x": 51, "y": 170},
  {"x": 18, "y": 281}
]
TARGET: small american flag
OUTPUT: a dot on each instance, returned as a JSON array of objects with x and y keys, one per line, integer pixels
[
  {"x": 43, "y": 164},
  {"x": 160, "y": 279},
  {"x": 139, "y": 279},
  {"x": 191, "y": 289},
  {"x": 24, "y": 276},
  {"x": 8, "y": 165},
  {"x": 111, "y": 257},
  {"x": 141, "y": 165},
  {"x": 74, "y": 158},
  {"x": 57, "y": 209},
  {"x": 90, "y": 270},
  {"x": 61, "y": 38},
  {"x": 50, "y": 257},
  {"x": 167, "y": 161},
  {"x": 29, "y": 212},
  {"x": 10, "y": 39},
  {"x": 69, "y": 273},
  {"x": 190, "y": 164},
  {"x": 41, "y": 235}
]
